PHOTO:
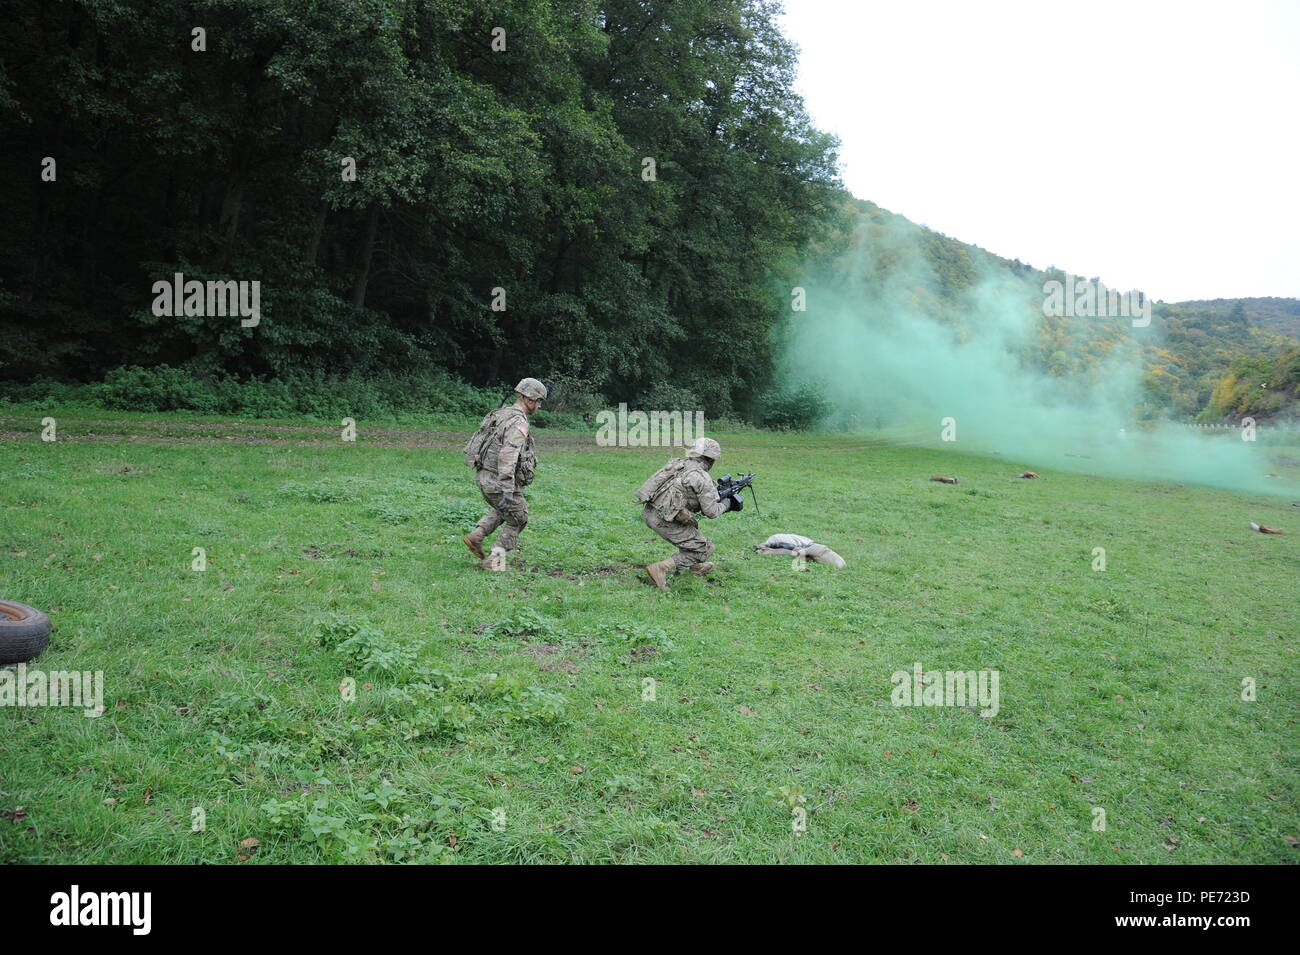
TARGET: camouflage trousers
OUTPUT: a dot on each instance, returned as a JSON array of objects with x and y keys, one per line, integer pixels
[
  {"x": 514, "y": 517},
  {"x": 692, "y": 546}
]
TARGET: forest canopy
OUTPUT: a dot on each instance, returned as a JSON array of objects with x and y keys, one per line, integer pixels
[{"x": 632, "y": 181}]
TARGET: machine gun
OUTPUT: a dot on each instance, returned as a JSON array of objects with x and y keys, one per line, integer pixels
[{"x": 729, "y": 487}]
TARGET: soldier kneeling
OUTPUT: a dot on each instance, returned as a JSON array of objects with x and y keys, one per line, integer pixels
[{"x": 672, "y": 497}]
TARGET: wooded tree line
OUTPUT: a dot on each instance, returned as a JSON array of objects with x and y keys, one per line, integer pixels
[{"x": 477, "y": 168}]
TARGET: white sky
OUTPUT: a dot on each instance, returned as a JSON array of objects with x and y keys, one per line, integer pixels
[{"x": 1153, "y": 144}]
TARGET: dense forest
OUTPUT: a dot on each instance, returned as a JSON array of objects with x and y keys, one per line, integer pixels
[
  {"x": 617, "y": 197},
  {"x": 628, "y": 183}
]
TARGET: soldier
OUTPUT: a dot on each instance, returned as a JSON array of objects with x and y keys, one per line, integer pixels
[
  {"x": 501, "y": 453},
  {"x": 673, "y": 496}
]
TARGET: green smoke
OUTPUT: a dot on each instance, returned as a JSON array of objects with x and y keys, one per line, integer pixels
[{"x": 896, "y": 345}]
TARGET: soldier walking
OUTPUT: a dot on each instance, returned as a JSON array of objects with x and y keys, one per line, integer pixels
[{"x": 501, "y": 454}]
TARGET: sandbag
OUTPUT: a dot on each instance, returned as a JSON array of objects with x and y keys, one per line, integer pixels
[{"x": 784, "y": 545}]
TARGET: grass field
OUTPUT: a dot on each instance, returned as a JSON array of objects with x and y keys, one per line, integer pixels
[{"x": 501, "y": 718}]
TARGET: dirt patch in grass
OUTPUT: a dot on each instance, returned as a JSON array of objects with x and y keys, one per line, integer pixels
[
  {"x": 556, "y": 572},
  {"x": 543, "y": 649},
  {"x": 545, "y": 655},
  {"x": 121, "y": 469},
  {"x": 565, "y": 666},
  {"x": 328, "y": 552}
]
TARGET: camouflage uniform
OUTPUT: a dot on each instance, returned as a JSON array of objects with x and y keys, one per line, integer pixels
[
  {"x": 504, "y": 466},
  {"x": 699, "y": 495},
  {"x": 501, "y": 454}
]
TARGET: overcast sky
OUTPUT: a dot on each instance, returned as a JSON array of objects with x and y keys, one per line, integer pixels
[{"x": 1152, "y": 144}]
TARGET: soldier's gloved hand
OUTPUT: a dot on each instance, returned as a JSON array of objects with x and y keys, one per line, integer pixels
[
  {"x": 508, "y": 500},
  {"x": 734, "y": 503}
]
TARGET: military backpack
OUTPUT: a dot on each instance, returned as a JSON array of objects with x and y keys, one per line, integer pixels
[
  {"x": 484, "y": 447},
  {"x": 663, "y": 489}
]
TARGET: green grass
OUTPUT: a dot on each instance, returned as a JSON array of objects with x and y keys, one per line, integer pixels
[{"x": 523, "y": 691}]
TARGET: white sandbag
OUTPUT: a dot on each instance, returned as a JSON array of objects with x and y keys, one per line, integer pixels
[{"x": 796, "y": 545}]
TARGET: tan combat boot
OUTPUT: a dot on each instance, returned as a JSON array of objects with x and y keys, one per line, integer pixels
[
  {"x": 474, "y": 541},
  {"x": 699, "y": 570},
  {"x": 496, "y": 560},
  {"x": 660, "y": 572}
]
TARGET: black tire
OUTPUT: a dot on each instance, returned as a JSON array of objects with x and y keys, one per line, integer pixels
[{"x": 24, "y": 632}]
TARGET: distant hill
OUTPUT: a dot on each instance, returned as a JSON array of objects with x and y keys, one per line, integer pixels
[
  {"x": 1209, "y": 359},
  {"x": 1279, "y": 315}
]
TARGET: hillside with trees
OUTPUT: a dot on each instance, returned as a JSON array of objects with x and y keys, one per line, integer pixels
[
  {"x": 626, "y": 182},
  {"x": 1208, "y": 360}
]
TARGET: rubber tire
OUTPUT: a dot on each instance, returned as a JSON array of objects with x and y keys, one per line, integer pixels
[{"x": 24, "y": 632}]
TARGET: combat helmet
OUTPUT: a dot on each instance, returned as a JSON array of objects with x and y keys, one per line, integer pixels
[
  {"x": 705, "y": 448},
  {"x": 531, "y": 388}
]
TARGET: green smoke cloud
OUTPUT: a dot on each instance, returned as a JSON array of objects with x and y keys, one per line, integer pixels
[{"x": 894, "y": 345}]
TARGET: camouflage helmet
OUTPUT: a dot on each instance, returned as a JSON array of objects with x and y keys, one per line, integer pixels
[
  {"x": 531, "y": 388},
  {"x": 705, "y": 448}
]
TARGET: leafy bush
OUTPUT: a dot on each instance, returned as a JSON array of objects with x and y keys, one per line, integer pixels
[
  {"x": 313, "y": 394},
  {"x": 551, "y": 419},
  {"x": 572, "y": 395},
  {"x": 793, "y": 410},
  {"x": 304, "y": 393},
  {"x": 668, "y": 397},
  {"x": 161, "y": 388},
  {"x": 47, "y": 389}
]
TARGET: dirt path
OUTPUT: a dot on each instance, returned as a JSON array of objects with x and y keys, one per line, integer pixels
[{"x": 252, "y": 432}]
